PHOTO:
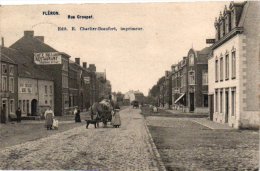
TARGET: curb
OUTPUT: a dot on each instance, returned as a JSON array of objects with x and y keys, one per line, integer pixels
[{"x": 154, "y": 148}]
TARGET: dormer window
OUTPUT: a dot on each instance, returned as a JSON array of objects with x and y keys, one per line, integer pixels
[{"x": 191, "y": 59}]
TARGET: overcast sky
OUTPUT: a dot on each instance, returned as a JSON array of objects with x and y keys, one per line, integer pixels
[{"x": 134, "y": 59}]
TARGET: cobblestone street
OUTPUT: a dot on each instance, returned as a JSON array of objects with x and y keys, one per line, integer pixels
[{"x": 124, "y": 148}]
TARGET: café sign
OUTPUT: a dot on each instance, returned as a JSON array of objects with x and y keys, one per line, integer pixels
[{"x": 47, "y": 58}]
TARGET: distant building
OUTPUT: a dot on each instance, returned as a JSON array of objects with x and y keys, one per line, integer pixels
[
  {"x": 190, "y": 82},
  {"x": 234, "y": 66},
  {"x": 131, "y": 96}
]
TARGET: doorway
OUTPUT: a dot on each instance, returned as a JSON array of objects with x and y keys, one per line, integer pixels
[
  {"x": 34, "y": 107},
  {"x": 191, "y": 102},
  {"x": 211, "y": 107},
  {"x": 227, "y": 104},
  {"x": 4, "y": 111}
]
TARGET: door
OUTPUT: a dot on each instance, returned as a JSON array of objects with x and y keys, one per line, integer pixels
[
  {"x": 227, "y": 111},
  {"x": 191, "y": 102},
  {"x": 211, "y": 106},
  {"x": 4, "y": 111},
  {"x": 34, "y": 107}
]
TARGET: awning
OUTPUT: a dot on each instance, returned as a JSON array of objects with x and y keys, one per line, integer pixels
[{"x": 181, "y": 96}]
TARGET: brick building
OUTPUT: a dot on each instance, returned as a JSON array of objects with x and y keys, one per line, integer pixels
[
  {"x": 8, "y": 88},
  {"x": 35, "y": 48},
  {"x": 179, "y": 85},
  {"x": 190, "y": 82},
  {"x": 234, "y": 66},
  {"x": 35, "y": 87}
]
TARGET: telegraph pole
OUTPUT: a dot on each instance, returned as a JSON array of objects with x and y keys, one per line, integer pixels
[{"x": 2, "y": 45}]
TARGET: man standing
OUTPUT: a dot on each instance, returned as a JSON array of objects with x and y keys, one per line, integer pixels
[{"x": 18, "y": 115}]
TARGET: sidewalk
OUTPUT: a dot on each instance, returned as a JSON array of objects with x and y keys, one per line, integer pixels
[
  {"x": 186, "y": 114},
  {"x": 212, "y": 125}
]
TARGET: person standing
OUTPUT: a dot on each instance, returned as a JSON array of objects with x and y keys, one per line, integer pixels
[
  {"x": 18, "y": 115},
  {"x": 116, "y": 121},
  {"x": 77, "y": 117},
  {"x": 3, "y": 116},
  {"x": 49, "y": 115}
]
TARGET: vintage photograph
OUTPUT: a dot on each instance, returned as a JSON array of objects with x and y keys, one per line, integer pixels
[{"x": 142, "y": 86}]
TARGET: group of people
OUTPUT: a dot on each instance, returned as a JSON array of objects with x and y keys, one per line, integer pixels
[
  {"x": 106, "y": 111},
  {"x": 18, "y": 113}
]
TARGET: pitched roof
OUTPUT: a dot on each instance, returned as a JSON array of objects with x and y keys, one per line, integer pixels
[
  {"x": 203, "y": 55},
  {"x": 29, "y": 45},
  {"x": 26, "y": 68}
]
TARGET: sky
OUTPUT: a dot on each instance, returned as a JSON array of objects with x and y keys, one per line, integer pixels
[{"x": 133, "y": 60}]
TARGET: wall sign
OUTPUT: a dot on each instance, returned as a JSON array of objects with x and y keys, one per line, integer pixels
[{"x": 47, "y": 58}]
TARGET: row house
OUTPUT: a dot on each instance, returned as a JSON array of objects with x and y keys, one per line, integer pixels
[
  {"x": 35, "y": 87},
  {"x": 234, "y": 66},
  {"x": 58, "y": 67},
  {"x": 179, "y": 85},
  {"x": 190, "y": 82},
  {"x": 81, "y": 85},
  {"x": 8, "y": 87}
]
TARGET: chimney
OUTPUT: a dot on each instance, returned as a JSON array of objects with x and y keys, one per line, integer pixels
[
  {"x": 41, "y": 38},
  {"x": 92, "y": 67},
  {"x": 3, "y": 42},
  {"x": 28, "y": 33},
  {"x": 85, "y": 65},
  {"x": 77, "y": 61}
]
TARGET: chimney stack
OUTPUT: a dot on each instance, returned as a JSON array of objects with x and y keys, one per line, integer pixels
[
  {"x": 85, "y": 65},
  {"x": 92, "y": 67},
  {"x": 77, "y": 61},
  {"x": 3, "y": 42},
  {"x": 28, "y": 33},
  {"x": 41, "y": 38}
]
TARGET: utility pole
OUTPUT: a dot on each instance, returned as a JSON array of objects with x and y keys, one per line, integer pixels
[{"x": 2, "y": 45}]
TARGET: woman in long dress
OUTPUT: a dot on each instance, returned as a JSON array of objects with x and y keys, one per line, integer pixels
[
  {"x": 49, "y": 115},
  {"x": 116, "y": 121}
]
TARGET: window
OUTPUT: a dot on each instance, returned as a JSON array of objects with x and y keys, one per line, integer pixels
[
  {"x": 191, "y": 77},
  {"x": 65, "y": 65},
  {"x": 50, "y": 89},
  {"x": 4, "y": 83},
  {"x": 20, "y": 104},
  {"x": 227, "y": 67},
  {"x": 216, "y": 100},
  {"x": 233, "y": 64},
  {"x": 191, "y": 59},
  {"x": 11, "y": 69},
  {"x": 11, "y": 84},
  {"x": 221, "y": 101},
  {"x": 205, "y": 100},
  {"x": 23, "y": 105},
  {"x": 233, "y": 101},
  {"x": 221, "y": 69},
  {"x": 65, "y": 81},
  {"x": 216, "y": 71},
  {"x": 4, "y": 69},
  {"x": 11, "y": 105},
  {"x": 204, "y": 77},
  {"x": 46, "y": 102},
  {"x": 46, "y": 89}
]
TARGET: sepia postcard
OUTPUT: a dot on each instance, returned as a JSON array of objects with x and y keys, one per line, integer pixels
[{"x": 145, "y": 86}]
